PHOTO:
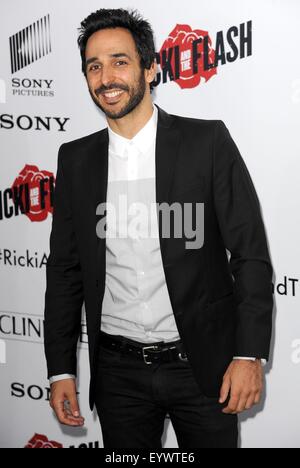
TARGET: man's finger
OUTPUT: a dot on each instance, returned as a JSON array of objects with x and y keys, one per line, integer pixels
[
  {"x": 250, "y": 402},
  {"x": 225, "y": 389},
  {"x": 59, "y": 409},
  {"x": 232, "y": 405},
  {"x": 64, "y": 417},
  {"x": 242, "y": 403},
  {"x": 257, "y": 398},
  {"x": 78, "y": 420}
]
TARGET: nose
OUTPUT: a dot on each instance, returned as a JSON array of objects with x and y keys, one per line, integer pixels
[{"x": 107, "y": 76}]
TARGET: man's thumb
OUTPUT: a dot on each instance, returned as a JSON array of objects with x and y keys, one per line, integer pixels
[{"x": 74, "y": 407}]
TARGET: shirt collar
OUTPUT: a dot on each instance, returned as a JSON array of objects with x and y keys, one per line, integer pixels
[{"x": 142, "y": 140}]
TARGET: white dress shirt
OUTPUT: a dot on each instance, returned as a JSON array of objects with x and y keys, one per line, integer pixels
[{"x": 136, "y": 302}]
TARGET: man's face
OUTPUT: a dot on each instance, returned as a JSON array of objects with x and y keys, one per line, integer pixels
[{"x": 116, "y": 82}]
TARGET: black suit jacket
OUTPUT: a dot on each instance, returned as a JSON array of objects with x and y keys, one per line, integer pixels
[{"x": 222, "y": 308}]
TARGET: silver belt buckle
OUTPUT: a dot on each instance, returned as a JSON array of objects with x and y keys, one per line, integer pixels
[
  {"x": 182, "y": 358},
  {"x": 144, "y": 355}
]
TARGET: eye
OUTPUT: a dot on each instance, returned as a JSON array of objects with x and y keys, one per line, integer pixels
[
  {"x": 122, "y": 62},
  {"x": 94, "y": 67}
]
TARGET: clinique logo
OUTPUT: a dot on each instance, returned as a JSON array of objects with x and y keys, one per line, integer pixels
[{"x": 30, "y": 328}]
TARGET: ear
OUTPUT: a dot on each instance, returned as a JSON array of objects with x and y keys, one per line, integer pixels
[{"x": 150, "y": 74}]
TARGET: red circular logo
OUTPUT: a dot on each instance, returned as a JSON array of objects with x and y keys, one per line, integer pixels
[
  {"x": 40, "y": 441},
  {"x": 184, "y": 37},
  {"x": 31, "y": 197}
]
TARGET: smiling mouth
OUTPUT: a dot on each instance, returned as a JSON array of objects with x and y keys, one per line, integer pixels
[{"x": 112, "y": 97}]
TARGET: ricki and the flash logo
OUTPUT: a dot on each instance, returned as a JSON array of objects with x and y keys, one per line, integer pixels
[{"x": 31, "y": 194}]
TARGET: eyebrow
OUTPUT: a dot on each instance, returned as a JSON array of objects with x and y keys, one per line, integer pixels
[{"x": 118, "y": 55}]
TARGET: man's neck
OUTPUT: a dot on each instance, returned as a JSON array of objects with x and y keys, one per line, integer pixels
[{"x": 132, "y": 123}]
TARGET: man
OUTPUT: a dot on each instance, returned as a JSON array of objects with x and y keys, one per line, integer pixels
[{"x": 174, "y": 327}]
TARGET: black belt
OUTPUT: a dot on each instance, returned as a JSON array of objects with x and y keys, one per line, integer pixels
[{"x": 150, "y": 353}]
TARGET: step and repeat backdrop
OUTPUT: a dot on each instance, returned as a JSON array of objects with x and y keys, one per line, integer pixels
[{"x": 248, "y": 75}]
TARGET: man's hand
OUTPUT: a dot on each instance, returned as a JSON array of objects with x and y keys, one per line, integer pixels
[
  {"x": 65, "y": 404},
  {"x": 244, "y": 381}
]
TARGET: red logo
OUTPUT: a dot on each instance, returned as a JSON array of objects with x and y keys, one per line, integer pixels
[
  {"x": 40, "y": 441},
  {"x": 32, "y": 193},
  {"x": 192, "y": 50}
]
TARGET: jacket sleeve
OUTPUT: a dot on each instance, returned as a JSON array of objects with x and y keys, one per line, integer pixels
[
  {"x": 242, "y": 229},
  {"x": 64, "y": 290}
]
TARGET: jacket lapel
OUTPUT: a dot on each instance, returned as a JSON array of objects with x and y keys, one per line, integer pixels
[
  {"x": 167, "y": 146},
  {"x": 98, "y": 168}
]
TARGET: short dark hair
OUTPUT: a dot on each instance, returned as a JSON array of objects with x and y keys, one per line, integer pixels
[{"x": 140, "y": 29}]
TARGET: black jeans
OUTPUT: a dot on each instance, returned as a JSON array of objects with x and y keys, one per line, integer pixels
[{"x": 133, "y": 399}]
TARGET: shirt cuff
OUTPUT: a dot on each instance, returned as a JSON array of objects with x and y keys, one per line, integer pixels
[
  {"x": 243, "y": 358},
  {"x": 57, "y": 378}
]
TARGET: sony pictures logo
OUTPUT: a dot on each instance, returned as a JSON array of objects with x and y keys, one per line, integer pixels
[
  {"x": 26, "y": 47},
  {"x": 30, "y": 44}
]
